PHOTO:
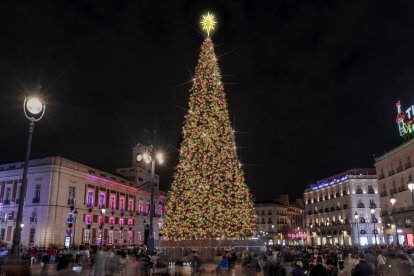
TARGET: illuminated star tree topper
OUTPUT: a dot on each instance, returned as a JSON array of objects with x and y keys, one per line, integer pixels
[{"x": 208, "y": 23}]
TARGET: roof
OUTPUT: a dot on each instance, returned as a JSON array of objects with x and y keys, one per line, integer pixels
[
  {"x": 269, "y": 202},
  {"x": 394, "y": 150},
  {"x": 358, "y": 173}
]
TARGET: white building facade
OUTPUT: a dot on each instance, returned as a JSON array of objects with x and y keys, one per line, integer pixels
[
  {"x": 110, "y": 209},
  {"x": 395, "y": 170},
  {"x": 272, "y": 219},
  {"x": 344, "y": 209}
]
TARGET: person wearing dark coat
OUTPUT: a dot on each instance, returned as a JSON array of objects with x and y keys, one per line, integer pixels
[
  {"x": 299, "y": 271},
  {"x": 332, "y": 269},
  {"x": 278, "y": 269},
  {"x": 319, "y": 269},
  {"x": 267, "y": 266},
  {"x": 363, "y": 268}
]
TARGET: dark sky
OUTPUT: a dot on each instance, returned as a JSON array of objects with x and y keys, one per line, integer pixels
[{"x": 311, "y": 84}]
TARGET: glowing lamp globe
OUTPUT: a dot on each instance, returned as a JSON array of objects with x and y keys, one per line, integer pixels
[
  {"x": 145, "y": 156},
  {"x": 393, "y": 200},
  {"x": 411, "y": 186},
  {"x": 372, "y": 210},
  {"x": 356, "y": 216},
  {"x": 34, "y": 105},
  {"x": 139, "y": 157}
]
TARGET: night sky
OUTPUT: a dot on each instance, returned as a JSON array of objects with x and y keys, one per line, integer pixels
[{"x": 311, "y": 85}]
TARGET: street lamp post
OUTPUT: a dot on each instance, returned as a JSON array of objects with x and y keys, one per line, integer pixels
[
  {"x": 356, "y": 216},
  {"x": 102, "y": 225},
  {"x": 411, "y": 187},
  {"x": 374, "y": 219},
  {"x": 147, "y": 158},
  {"x": 34, "y": 109},
  {"x": 393, "y": 200},
  {"x": 75, "y": 215}
]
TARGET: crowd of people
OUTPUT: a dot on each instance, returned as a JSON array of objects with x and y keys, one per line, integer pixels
[{"x": 328, "y": 260}]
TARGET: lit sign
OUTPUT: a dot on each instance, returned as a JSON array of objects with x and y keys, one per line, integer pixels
[
  {"x": 329, "y": 183},
  {"x": 405, "y": 120},
  {"x": 297, "y": 235}
]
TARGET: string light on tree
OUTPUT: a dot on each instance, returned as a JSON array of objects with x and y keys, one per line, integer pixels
[{"x": 209, "y": 198}]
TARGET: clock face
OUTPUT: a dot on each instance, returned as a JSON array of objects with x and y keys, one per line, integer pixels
[{"x": 139, "y": 157}]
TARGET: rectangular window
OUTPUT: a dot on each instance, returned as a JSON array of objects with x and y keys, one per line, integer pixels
[
  {"x": 2, "y": 234},
  {"x": 3, "y": 217},
  {"x": 131, "y": 205},
  {"x": 112, "y": 202},
  {"x": 101, "y": 200},
  {"x": 111, "y": 237},
  {"x": 129, "y": 222},
  {"x": 101, "y": 220},
  {"x": 121, "y": 222},
  {"x": 7, "y": 196},
  {"x": 120, "y": 237},
  {"x": 72, "y": 195},
  {"x": 160, "y": 208},
  {"x": 87, "y": 236},
  {"x": 129, "y": 237},
  {"x": 111, "y": 221},
  {"x": 37, "y": 191},
  {"x": 88, "y": 219},
  {"x": 140, "y": 207},
  {"x": 32, "y": 236},
  {"x": 89, "y": 199},
  {"x": 11, "y": 215},
  {"x": 122, "y": 204}
]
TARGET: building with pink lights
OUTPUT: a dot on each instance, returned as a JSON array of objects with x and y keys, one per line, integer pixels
[{"x": 109, "y": 209}]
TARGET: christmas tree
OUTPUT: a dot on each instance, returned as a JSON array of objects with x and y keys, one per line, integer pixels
[{"x": 208, "y": 198}]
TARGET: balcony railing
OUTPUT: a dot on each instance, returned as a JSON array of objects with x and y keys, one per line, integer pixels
[
  {"x": 371, "y": 191},
  {"x": 6, "y": 202},
  {"x": 71, "y": 201},
  {"x": 384, "y": 213},
  {"x": 381, "y": 176},
  {"x": 384, "y": 193},
  {"x": 401, "y": 189},
  {"x": 399, "y": 169},
  {"x": 408, "y": 165},
  {"x": 36, "y": 200},
  {"x": 359, "y": 191},
  {"x": 393, "y": 191},
  {"x": 391, "y": 172},
  {"x": 33, "y": 219}
]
